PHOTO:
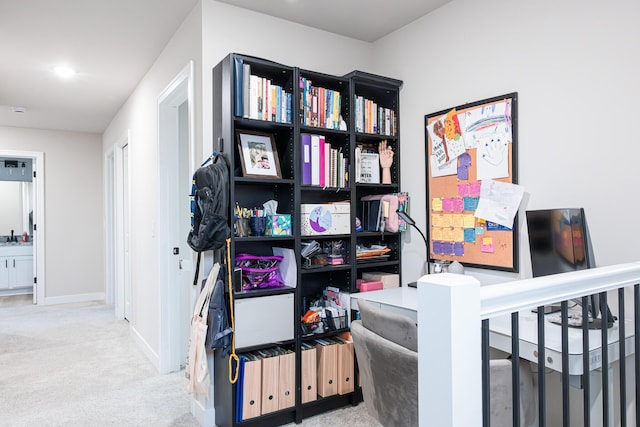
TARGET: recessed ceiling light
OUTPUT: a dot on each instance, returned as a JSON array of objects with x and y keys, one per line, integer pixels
[
  {"x": 17, "y": 109},
  {"x": 64, "y": 72}
]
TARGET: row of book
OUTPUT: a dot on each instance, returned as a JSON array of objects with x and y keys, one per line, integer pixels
[
  {"x": 258, "y": 97},
  {"x": 319, "y": 106},
  {"x": 266, "y": 378},
  {"x": 372, "y": 118},
  {"x": 322, "y": 164}
]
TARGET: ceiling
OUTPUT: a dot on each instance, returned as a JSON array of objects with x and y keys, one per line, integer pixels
[{"x": 113, "y": 43}]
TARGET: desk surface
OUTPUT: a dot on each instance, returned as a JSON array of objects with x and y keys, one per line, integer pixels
[{"x": 405, "y": 300}]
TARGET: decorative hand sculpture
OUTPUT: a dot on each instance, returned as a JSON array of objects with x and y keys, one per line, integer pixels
[{"x": 386, "y": 160}]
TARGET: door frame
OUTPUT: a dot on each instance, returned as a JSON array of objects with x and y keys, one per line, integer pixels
[
  {"x": 115, "y": 240},
  {"x": 172, "y": 315},
  {"x": 39, "y": 286}
]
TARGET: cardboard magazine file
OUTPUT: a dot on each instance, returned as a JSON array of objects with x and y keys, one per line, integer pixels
[
  {"x": 270, "y": 378},
  {"x": 309, "y": 373},
  {"x": 327, "y": 361},
  {"x": 345, "y": 363},
  {"x": 389, "y": 280},
  {"x": 251, "y": 387},
  {"x": 287, "y": 383}
]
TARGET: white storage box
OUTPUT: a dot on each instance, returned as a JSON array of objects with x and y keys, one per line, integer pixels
[
  {"x": 328, "y": 218},
  {"x": 263, "y": 320}
]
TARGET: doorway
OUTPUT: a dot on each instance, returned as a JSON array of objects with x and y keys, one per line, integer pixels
[
  {"x": 117, "y": 229},
  {"x": 34, "y": 199},
  {"x": 176, "y": 150}
]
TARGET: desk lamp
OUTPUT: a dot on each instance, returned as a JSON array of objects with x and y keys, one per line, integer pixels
[{"x": 406, "y": 218}]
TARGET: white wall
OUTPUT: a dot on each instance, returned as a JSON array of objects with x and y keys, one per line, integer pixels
[
  {"x": 73, "y": 207},
  {"x": 227, "y": 29},
  {"x": 140, "y": 115},
  {"x": 575, "y": 71}
]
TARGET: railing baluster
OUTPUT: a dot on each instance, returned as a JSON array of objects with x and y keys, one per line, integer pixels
[
  {"x": 486, "y": 381},
  {"x": 586, "y": 378},
  {"x": 542, "y": 402},
  {"x": 564, "y": 311},
  {"x": 636, "y": 331},
  {"x": 515, "y": 368},
  {"x": 604, "y": 348},
  {"x": 622, "y": 360}
]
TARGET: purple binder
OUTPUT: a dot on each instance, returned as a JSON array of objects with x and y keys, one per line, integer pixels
[{"x": 306, "y": 158}]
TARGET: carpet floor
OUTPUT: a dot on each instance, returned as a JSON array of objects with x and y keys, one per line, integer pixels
[{"x": 76, "y": 365}]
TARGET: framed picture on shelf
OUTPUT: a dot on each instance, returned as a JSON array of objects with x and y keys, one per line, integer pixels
[{"x": 258, "y": 154}]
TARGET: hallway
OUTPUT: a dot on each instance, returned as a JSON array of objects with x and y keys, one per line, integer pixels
[{"x": 75, "y": 365}]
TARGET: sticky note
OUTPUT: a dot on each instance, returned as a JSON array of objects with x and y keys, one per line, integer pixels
[
  {"x": 437, "y": 233},
  {"x": 457, "y": 234},
  {"x": 463, "y": 173},
  {"x": 458, "y": 204},
  {"x": 471, "y": 203},
  {"x": 470, "y": 235},
  {"x": 463, "y": 189},
  {"x": 487, "y": 244},
  {"x": 457, "y": 220},
  {"x": 437, "y": 220},
  {"x": 468, "y": 221},
  {"x": 458, "y": 249},
  {"x": 447, "y": 204},
  {"x": 436, "y": 204},
  {"x": 479, "y": 230},
  {"x": 474, "y": 189}
]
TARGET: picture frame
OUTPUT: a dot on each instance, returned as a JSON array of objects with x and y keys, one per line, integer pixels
[{"x": 258, "y": 154}]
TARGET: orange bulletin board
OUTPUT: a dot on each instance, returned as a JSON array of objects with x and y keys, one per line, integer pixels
[{"x": 464, "y": 146}]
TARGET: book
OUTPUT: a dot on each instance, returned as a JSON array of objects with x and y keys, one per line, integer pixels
[
  {"x": 246, "y": 76},
  {"x": 238, "y": 77},
  {"x": 306, "y": 158},
  {"x": 254, "y": 88},
  {"x": 369, "y": 168},
  {"x": 327, "y": 164},
  {"x": 321, "y": 161},
  {"x": 315, "y": 160}
]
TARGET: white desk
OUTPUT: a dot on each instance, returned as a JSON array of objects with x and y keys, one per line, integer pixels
[{"x": 404, "y": 300}]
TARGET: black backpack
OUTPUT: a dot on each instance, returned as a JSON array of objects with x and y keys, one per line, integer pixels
[{"x": 209, "y": 206}]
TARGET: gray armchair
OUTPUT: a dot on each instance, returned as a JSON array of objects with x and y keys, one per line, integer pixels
[{"x": 386, "y": 347}]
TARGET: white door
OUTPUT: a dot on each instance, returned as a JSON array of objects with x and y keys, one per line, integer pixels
[
  {"x": 126, "y": 232},
  {"x": 175, "y": 154}
]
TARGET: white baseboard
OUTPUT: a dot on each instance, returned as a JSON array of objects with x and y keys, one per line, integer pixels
[
  {"x": 65, "y": 299},
  {"x": 153, "y": 357}
]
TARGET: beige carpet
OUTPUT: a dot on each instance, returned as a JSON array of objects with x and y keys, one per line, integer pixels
[{"x": 75, "y": 365}]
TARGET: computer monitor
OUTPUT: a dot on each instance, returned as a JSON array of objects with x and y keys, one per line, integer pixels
[{"x": 559, "y": 242}]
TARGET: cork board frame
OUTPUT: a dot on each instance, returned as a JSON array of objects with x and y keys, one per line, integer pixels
[{"x": 464, "y": 145}]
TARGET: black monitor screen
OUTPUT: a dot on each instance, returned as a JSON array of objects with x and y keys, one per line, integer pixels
[{"x": 557, "y": 241}]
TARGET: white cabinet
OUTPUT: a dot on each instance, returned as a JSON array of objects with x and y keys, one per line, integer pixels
[{"x": 16, "y": 267}]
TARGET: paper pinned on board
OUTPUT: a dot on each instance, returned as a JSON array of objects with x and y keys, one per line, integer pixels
[{"x": 499, "y": 202}]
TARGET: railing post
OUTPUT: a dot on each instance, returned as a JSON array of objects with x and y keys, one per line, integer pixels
[{"x": 449, "y": 351}]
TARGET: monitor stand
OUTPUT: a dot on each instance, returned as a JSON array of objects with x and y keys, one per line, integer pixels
[{"x": 412, "y": 284}]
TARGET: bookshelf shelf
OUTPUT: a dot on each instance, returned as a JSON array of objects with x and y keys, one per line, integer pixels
[{"x": 257, "y": 95}]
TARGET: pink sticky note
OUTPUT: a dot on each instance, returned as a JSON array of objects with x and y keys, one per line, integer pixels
[
  {"x": 474, "y": 189},
  {"x": 458, "y": 204},
  {"x": 487, "y": 244},
  {"x": 447, "y": 204},
  {"x": 463, "y": 190}
]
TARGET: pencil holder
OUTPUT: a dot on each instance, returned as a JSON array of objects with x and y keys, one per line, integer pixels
[{"x": 258, "y": 225}]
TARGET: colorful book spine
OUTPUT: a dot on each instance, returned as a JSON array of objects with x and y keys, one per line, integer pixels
[{"x": 306, "y": 158}]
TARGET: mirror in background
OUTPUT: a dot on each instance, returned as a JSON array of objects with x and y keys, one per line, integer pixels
[{"x": 17, "y": 206}]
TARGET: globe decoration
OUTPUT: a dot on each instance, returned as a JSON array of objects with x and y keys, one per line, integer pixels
[{"x": 320, "y": 219}]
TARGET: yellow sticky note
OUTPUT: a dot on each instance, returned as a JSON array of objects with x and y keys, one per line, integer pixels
[
  {"x": 437, "y": 233},
  {"x": 436, "y": 220},
  {"x": 447, "y": 234},
  {"x": 447, "y": 220},
  {"x": 458, "y": 234},
  {"x": 436, "y": 203},
  {"x": 457, "y": 221},
  {"x": 469, "y": 221}
]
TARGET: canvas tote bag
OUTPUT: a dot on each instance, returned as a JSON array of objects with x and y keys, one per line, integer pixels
[{"x": 197, "y": 369}]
